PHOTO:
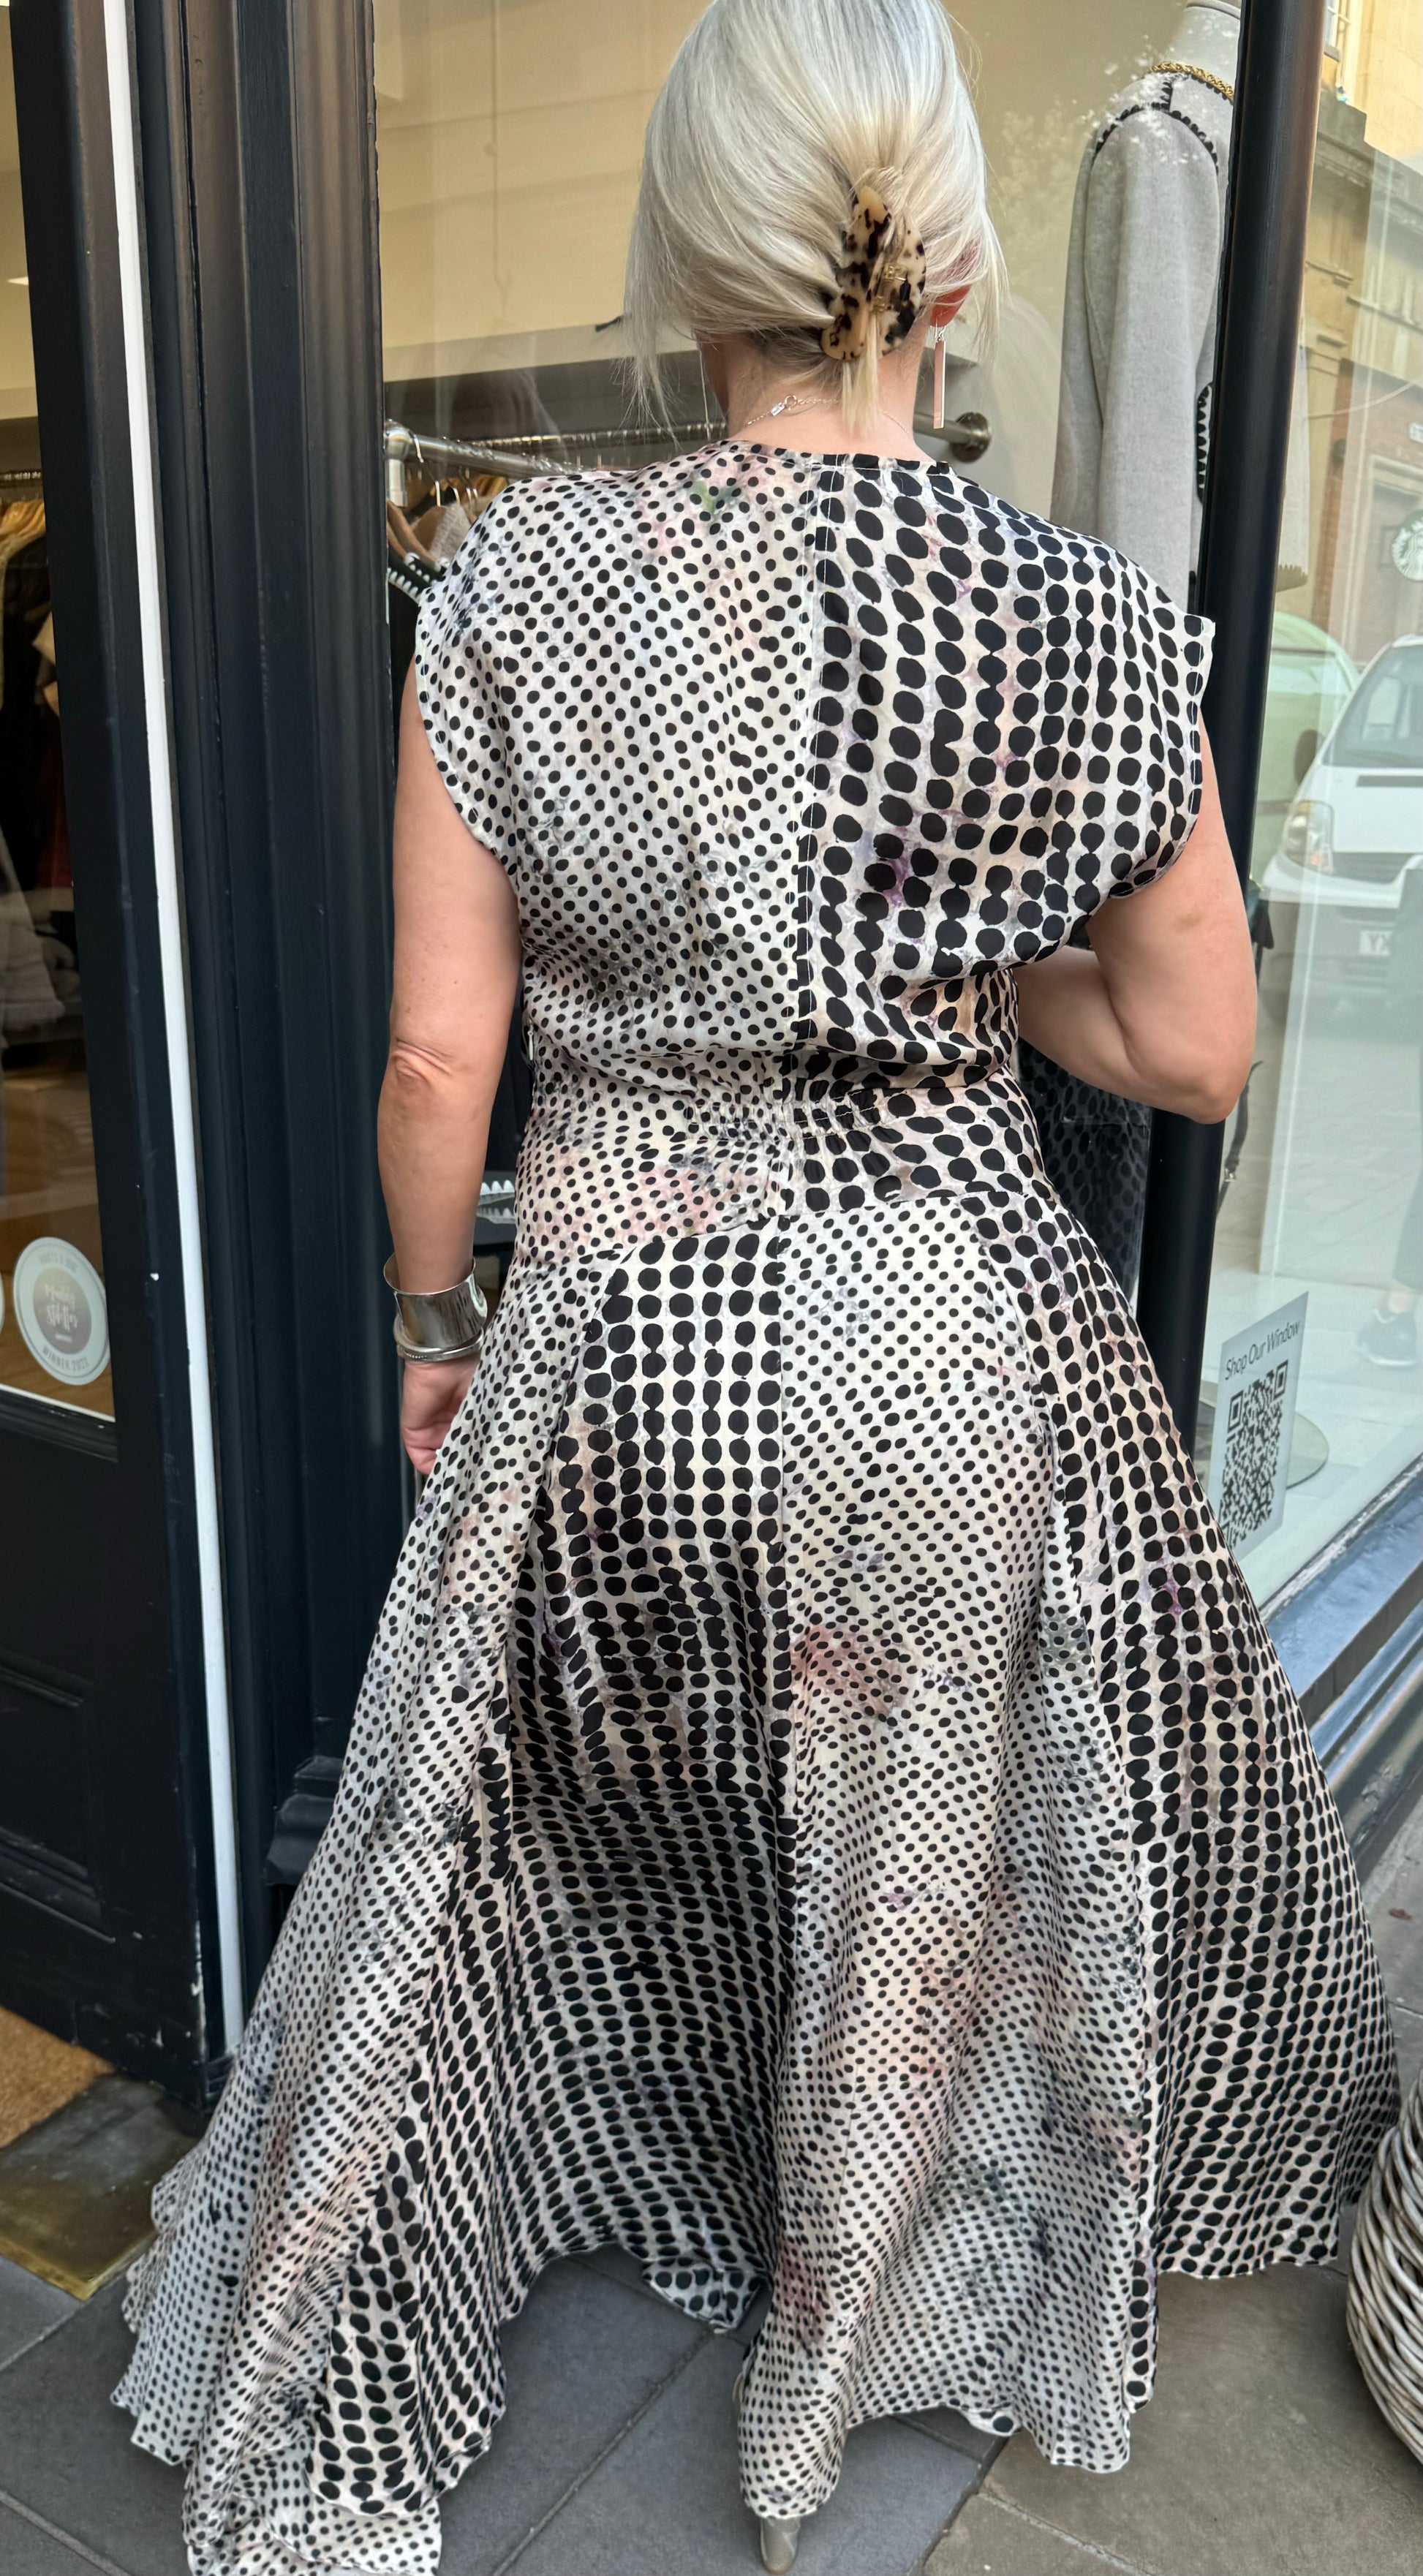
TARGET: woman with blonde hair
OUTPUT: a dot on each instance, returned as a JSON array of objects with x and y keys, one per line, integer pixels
[{"x": 824, "y": 1811}]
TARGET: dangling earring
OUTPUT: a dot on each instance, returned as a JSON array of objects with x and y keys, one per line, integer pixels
[{"x": 939, "y": 320}]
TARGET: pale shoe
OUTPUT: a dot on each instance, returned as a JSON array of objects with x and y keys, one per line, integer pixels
[{"x": 779, "y": 2540}]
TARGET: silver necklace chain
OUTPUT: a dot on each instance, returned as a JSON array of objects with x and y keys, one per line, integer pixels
[
  {"x": 792, "y": 403},
  {"x": 777, "y": 411}
]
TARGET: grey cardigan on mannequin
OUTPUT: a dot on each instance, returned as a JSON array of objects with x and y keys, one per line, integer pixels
[{"x": 1139, "y": 322}]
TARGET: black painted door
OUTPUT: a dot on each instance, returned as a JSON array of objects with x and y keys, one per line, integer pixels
[{"x": 108, "y": 1927}]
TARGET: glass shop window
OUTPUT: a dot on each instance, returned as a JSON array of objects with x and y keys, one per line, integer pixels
[
  {"x": 54, "y": 1343},
  {"x": 1312, "y": 1345},
  {"x": 509, "y": 137}
]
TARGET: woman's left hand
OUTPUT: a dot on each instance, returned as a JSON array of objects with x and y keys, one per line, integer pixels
[
  {"x": 430, "y": 1398},
  {"x": 456, "y": 976}
]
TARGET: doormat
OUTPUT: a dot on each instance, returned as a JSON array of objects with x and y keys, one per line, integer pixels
[
  {"x": 75, "y": 2189},
  {"x": 38, "y": 2074}
]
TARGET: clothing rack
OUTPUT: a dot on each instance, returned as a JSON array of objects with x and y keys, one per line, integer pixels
[
  {"x": 652, "y": 434},
  {"x": 523, "y": 454},
  {"x": 404, "y": 447}
]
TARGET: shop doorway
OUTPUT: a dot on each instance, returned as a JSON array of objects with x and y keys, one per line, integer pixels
[{"x": 105, "y": 1853}]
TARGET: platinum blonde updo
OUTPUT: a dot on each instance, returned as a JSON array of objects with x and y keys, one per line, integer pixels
[{"x": 778, "y": 120}]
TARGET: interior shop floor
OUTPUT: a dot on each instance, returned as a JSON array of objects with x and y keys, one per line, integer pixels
[{"x": 1261, "y": 2454}]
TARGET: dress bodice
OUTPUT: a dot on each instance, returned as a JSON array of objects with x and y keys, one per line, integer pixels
[{"x": 792, "y": 760}]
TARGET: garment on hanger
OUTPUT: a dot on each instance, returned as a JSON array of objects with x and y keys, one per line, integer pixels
[
  {"x": 21, "y": 523},
  {"x": 443, "y": 527},
  {"x": 1139, "y": 322},
  {"x": 52, "y": 868},
  {"x": 48, "y": 682},
  {"x": 24, "y": 612},
  {"x": 1133, "y": 434},
  {"x": 28, "y": 1001},
  {"x": 401, "y": 537}
]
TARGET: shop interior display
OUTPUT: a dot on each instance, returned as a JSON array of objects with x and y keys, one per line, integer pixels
[{"x": 47, "y": 1184}]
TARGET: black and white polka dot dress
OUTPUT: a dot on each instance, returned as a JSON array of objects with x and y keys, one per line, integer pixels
[{"x": 823, "y": 1808}]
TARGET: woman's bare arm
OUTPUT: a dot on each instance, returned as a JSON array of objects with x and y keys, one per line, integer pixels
[
  {"x": 1162, "y": 1009},
  {"x": 456, "y": 974}
]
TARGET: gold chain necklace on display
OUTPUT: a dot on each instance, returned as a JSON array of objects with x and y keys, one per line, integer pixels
[{"x": 1193, "y": 71}]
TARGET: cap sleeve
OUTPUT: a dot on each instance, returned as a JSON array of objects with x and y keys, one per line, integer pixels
[
  {"x": 1168, "y": 660},
  {"x": 461, "y": 685}
]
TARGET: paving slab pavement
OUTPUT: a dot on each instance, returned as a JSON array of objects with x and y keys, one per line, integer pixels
[
  {"x": 1261, "y": 2453},
  {"x": 27, "y": 2548},
  {"x": 668, "y": 2498},
  {"x": 617, "y": 2452},
  {"x": 583, "y": 2359},
  {"x": 65, "y": 2451},
  {"x": 992, "y": 2538},
  {"x": 29, "y": 2310}
]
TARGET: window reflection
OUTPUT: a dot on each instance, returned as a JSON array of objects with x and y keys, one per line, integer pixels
[
  {"x": 1323, "y": 1165},
  {"x": 509, "y": 137}
]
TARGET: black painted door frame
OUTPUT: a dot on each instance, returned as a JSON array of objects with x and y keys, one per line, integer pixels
[
  {"x": 112, "y": 1928},
  {"x": 256, "y": 125}
]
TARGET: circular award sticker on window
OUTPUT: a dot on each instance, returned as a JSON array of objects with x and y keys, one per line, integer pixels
[{"x": 61, "y": 1311}]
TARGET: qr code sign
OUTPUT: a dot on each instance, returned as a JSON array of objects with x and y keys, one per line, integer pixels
[
  {"x": 1251, "y": 1424},
  {"x": 1254, "y": 1430}
]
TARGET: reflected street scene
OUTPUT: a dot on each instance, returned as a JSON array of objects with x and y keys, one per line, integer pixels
[{"x": 1323, "y": 1158}]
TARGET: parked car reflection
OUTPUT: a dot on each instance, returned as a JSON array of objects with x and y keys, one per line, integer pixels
[
  {"x": 1345, "y": 886},
  {"x": 1312, "y": 679}
]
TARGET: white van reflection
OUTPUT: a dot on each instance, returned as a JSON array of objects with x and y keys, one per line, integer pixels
[{"x": 1345, "y": 886}]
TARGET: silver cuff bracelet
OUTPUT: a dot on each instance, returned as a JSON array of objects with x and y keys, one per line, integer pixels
[{"x": 449, "y": 1324}]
